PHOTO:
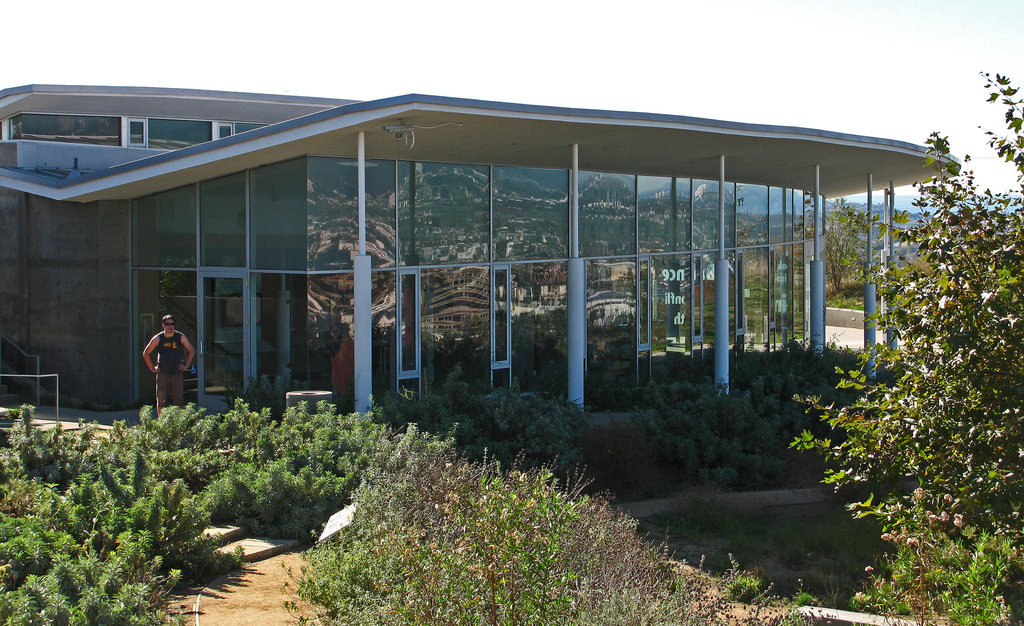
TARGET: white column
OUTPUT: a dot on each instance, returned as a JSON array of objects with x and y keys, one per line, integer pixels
[
  {"x": 577, "y": 289},
  {"x": 362, "y": 318},
  {"x": 869, "y": 291},
  {"x": 818, "y": 271},
  {"x": 721, "y": 292}
]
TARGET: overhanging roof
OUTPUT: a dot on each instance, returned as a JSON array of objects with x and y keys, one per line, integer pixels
[{"x": 473, "y": 131}]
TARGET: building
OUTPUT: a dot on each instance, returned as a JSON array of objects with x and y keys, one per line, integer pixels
[{"x": 372, "y": 246}]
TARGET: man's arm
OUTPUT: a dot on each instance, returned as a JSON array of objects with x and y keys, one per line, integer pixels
[
  {"x": 148, "y": 350},
  {"x": 189, "y": 350}
]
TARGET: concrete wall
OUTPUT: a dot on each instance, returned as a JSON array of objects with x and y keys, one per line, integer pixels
[
  {"x": 65, "y": 291},
  {"x": 62, "y": 155}
]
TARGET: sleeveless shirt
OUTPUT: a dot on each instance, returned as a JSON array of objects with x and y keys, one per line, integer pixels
[{"x": 169, "y": 351}]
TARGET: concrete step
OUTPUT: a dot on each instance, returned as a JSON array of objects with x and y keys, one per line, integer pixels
[
  {"x": 224, "y": 534},
  {"x": 259, "y": 548},
  {"x": 835, "y": 617}
]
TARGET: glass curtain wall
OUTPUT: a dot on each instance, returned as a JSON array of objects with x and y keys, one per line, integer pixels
[{"x": 648, "y": 295}]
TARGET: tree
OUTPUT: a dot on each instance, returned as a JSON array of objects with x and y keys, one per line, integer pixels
[
  {"x": 951, "y": 420},
  {"x": 845, "y": 240}
]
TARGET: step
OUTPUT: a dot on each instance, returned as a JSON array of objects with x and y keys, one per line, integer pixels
[
  {"x": 259, "y": 548},
  {"x": 224, "y": 534},
  {"x": 835, "y": 617}
]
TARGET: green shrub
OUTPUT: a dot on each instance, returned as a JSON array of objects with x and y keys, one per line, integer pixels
[
  {"x": 501, "y": 424},
  {"x": 439, "y": 539}
]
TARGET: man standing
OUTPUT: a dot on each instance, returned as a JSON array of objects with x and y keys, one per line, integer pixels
[{"x": 169, "y": 345}]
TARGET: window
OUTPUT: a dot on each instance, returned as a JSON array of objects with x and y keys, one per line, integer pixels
[
  {"x": 173, "y": 134},
  {"x": 90, "y": 129},
  {"x": 137, "y": 133}
]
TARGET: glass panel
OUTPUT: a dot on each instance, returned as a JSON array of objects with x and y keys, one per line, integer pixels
[
  {"x": 174, "y": 134},
  {"x": 443, "y": 213},
  {"x": 137, "y": 132},
  {"x": 607, "y": 214},
  {"x": 278, "y": 216},
  {"x": 539, "y": 326},
  {"x": 500, "y": 378},
  {"x": 755, "y": 297},
  {"x": 751, "y": 215},
  {"x": 223, "y": 130},
  {"x": 644, "y": 303},
  {"x": 409, "y": 323},
  {"x": 808, "y": 216},
  {"x": 798, "y": 291},
  {"x": 783, "y": 294},
  {"x": 330, "y": 339},
  {"x": 531, "y": 213},
  {"x": 663, "y": 211},
  {"x": 730, "y": 215},
  {"x": 159, "y": 293},
  {"x": 455, "y": 305},
  {"x": 705, "y": 214},
  {"x": 164, "y": 228},
  {"x": 383, "y": 342},
  {"x": 796, "y": 208},
  {"x": 500, "y": 289},
  {"x": 333, "y": 219},
  {"x": 611, "y": 324},
  {"x": 776, "y": 215},
  {"x": 224, "y": 355},
  {"x": 100, "y": 131},
  {"x": 241, "y": 127},
  {"x": 222, "y": 221},
  {"x": 670, "y": 318}
]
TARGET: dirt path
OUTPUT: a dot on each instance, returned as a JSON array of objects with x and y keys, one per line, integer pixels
[{"x": 254, "y": 595}]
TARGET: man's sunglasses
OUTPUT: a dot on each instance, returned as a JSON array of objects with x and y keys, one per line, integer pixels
[{"x": 168, "y": 323}]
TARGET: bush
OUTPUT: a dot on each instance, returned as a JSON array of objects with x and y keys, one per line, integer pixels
[
  {"x": 501, "y": 424},
  {"x": 439, "y": 539}
]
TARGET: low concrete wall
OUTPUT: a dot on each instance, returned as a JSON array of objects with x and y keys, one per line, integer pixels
[{"x": 845, "y": 318}]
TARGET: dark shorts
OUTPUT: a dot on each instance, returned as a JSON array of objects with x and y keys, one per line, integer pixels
[{"x": 169, "y": 384}]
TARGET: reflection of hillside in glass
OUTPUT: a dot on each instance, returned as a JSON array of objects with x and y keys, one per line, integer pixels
[
  {"x": 540, "y": 326},
  {"x": 607, "y": 214},
  {"x": 796, "y": 203},
  {"x": 705, "y": 214},
  {"x": 777, "y": 216},
  {"x": 663, "y": 212},
  {"x": 332, "y": 223},
  {"x": 531, "y": 213},
  {"x": 443, "y": 213},
  {"x": 455, "y": 322},
  {"x": 611, "y": 320},
  {"x": 751, "y": 215}
]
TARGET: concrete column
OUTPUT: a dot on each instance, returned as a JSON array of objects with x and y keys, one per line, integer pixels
[
  {"x": 362, "y": 316},
  {"x": 577, "y": 288},
  {"x": 869, "y": 291},
  {"x": 722, "y": 278},
  {"x": 818, "y": 271}
]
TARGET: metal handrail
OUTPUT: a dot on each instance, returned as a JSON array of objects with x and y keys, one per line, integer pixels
[
  {"x": 56, "y": 401},
  {"x": 26, "y": 357}
]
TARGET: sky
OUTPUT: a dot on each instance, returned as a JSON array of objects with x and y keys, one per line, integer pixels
[{"x": 897, "y": 69}]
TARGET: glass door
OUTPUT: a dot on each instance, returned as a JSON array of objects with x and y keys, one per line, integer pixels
[
  {"x": 408, "y": 305},
  {"x": 501, "y": 326},
  {"x": 224, "y": 344}
]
